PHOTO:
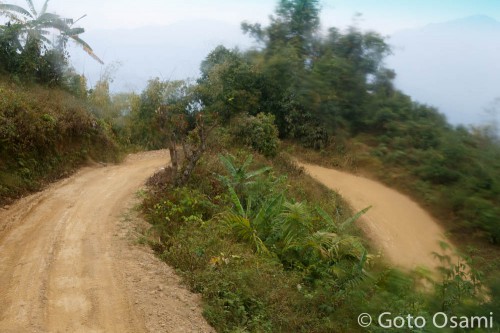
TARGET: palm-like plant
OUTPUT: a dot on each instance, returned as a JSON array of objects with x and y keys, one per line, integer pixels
[
  {"x": 243, "y": 228},
  {"x": 334, "y": 244},
  {"x": 287, "y": 230},
  {"x": 36, "y": 26},
  {"x": 239, "y": 176},
  {"x": 253, "y": 222},
  {"x": 242, "y": 221}
]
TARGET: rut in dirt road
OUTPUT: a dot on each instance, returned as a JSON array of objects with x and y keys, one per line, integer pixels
[
  {"x": 404, "y": 233},
  {"x": 63, "y": 268}
]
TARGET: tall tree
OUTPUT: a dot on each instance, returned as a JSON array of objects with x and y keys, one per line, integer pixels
[
  {"x": 295, "y": 24},
  {"x": 228, "y": 84}
]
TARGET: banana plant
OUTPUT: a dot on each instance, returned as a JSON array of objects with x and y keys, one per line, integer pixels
[
  {"x": 240, "y": 221},
  {"x": 37, "y": 25},
  {"x": 239, "y": 176}
]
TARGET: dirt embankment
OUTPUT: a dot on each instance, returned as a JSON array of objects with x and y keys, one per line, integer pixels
[
  {"x": 404, "y": 233},
  {"x": 67, "y": 265}
]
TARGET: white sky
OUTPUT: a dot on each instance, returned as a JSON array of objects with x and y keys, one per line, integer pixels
[{"x": 385, "y": 16}]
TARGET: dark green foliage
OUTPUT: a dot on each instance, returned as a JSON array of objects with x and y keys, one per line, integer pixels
[
  {"x": 257, "y": 132},
  {"x": 229, "y": 84},
  {"x": 9, "y": 59},
  {"x": 179, "y": 207},
  {"x": 265, "y": 262},
  {"x": 34, "y": 62},
  {"x": 161, "y": 110},
  {"x": 312, "y": 85},
  {"x": 294, "y": 24}
]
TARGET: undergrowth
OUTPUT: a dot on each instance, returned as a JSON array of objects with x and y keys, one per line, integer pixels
[
  {"x": 44, "y": 135},
  {"x": 268, "y": 252}
]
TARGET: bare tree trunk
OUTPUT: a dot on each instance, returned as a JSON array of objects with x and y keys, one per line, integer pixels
[
  {"x": 192, "y": 158},
  {"x": 174, "y": 159},
  {"x": 185, "y": 148}
]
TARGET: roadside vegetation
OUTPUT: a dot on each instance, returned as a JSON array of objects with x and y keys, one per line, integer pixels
[
  {"x": 267, "y": 250},
  {"x": 271, "y": 253},
  {"x": 44, "y": 135},
  {"x": 47, "y": 128}
]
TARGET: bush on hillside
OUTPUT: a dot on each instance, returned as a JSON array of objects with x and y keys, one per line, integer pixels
[
  {"x": 258, "y": 132},
  {"x": 44, "y": 134}
]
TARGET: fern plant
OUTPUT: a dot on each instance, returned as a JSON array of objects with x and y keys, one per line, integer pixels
[{"x": 459, "y": 280}]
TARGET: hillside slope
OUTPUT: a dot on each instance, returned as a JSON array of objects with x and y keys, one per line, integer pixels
[{"x": 44, "y": 135}]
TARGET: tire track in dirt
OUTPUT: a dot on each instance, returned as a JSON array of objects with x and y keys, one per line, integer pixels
[{"x": 65, "y": 268}]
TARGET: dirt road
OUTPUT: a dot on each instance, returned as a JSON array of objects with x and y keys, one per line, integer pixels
[
  {"x": 403, "y": 231},
  {"x": 66, "y": 265}
]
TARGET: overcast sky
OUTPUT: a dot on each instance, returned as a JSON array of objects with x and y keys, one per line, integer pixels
[{"x": 385, "y": 16}]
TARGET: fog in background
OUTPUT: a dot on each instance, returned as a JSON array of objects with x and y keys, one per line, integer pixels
[
  {"x": 453, "y": 65},
  {"x": 445, "y": 53},
  {"x": 133, "y": 56}
]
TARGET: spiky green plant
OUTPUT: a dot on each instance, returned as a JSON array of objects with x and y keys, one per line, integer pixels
[
  {"x": 292, "y": 232},
  {"x": 246, "y": 224},
  {"x": 244, "y": 229},
  {"x": 238, "y": 175},
  {"x": 295, "y": 223},
  {"x": 333, "y": 226}
]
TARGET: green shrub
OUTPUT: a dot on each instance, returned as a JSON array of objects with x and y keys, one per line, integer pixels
[
  {"x": 258, "y": 132},
  {"x": 177, "y": 207}
]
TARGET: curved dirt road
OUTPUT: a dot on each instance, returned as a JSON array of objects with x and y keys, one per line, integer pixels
[
  {"x": 66, "y": 267},
  {"x": 404, "y": 233}
]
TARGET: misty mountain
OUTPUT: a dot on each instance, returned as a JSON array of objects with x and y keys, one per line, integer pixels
[
  {"x": 169, "y": 52},
  {"x": 453, "y": 66}
]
